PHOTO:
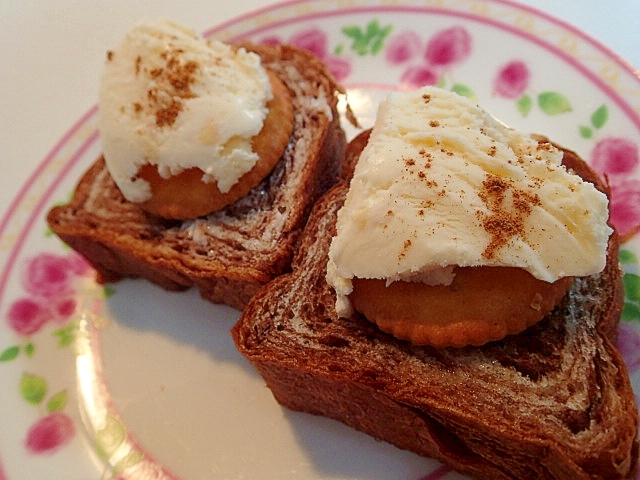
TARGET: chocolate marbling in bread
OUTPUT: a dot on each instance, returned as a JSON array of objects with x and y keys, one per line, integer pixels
[
  {"x": 554, "y": 402},
  {"x": 232, "y": 252}
]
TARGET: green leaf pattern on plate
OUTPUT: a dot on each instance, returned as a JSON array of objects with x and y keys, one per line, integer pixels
[
  {"x": 554, "y": 103},
  {"x": 109, "y": 438},
  {"x": 600, "y": 116},
  {"x": 57, "y": 402},
  {"x": 10, "y": 353},
  {"x": 33, "y": 388},
  {"x": 464, "y": 91},
  {"x": 631, "y": 282},
  {"x": 369, "y": 40},
  {"x": 524, "y": 104},
  {"x": 597, "y": 121},
  {"x": 66, "y": 334},
  {"x": 111, "y": 443}
]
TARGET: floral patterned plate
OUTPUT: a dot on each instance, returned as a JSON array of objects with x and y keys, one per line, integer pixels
[{"x": 128, "y": 381}]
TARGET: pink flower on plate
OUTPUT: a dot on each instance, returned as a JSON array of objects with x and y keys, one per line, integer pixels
[
  {"x": 63, "y": 308},
  {"x": 448, "y": 47},
  {"x": 629, "y": 345},
  {"x": 48, "y": 275},
  {"x": 418, "y": 76},
  {"x": 26, "y": 316},
  {"x": 403, "y": 47},
  {"x": 625, "y": 207},
  {"x": 615, "y": 156},
  {"x": 313, "y": 40},
  {"x": 271, "y": 40},
  {"x": 512, "y": 80},
  {"x": 50, "y": 433},
  {"x": 78, "y": 264},
  {"x": 339, "y": 67}
]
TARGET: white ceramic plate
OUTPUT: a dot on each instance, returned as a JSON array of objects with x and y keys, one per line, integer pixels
[{"x": 129, "y": 381}]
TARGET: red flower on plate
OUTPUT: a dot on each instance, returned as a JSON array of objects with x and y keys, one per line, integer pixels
[
  {"x": 403, "y": 47},
  {"x": 512, "y": 80},
  {"x": 48, "y": 279},
  {"x": 419, "y": 76},
  {"x": 443, "y": 50},
  {"x": 629, "y": 345},
  {"x": 449, "y": 46},
  {"x": 625, "y": 207},
  {"x": 615, "y": 156},
  {"x": 48, "y": 275},
  {"x": 27, "y": 316},
  {"x": 50, "y": 433},
  {"x": 315, "y": 41},
  {"x": 63, "y": 308},
  {"x": 339, "y": 67},
  {"x": 271, "y": 40}
]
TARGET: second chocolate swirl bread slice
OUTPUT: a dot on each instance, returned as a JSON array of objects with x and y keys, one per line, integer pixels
[{"x": 553, "y": 402}]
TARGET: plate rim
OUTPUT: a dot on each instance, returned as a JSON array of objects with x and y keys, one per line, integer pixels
[{"x": 92, "y": 111}]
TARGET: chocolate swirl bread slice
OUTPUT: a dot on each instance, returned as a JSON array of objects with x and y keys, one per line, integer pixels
[
  {"x": 232, "y": 252},
  {"x": 554, "y": 402}
]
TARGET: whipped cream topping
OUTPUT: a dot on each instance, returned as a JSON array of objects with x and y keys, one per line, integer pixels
[
  {"x": 173, "y": 99},
  {"x": 441, "y": 183}
]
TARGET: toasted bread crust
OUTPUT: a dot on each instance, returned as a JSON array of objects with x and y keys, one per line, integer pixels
[
  {"x": 554, "y": 402},
  {"x": 231, "y": 253}
]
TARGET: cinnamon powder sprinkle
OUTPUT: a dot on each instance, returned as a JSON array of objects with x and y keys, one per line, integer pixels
[
  {"x": 508, "y": 208},
  {"x": 171, "y": 85},
  {"x": 167, "y": 115},
  {"x": 409, "y": 162},
  {"x": 405, "y": 247}
]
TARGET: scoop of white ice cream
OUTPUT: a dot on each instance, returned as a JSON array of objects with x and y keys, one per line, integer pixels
[
  {"x": 172, "y": 99},
  {"x": 442, "y": 183}
]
